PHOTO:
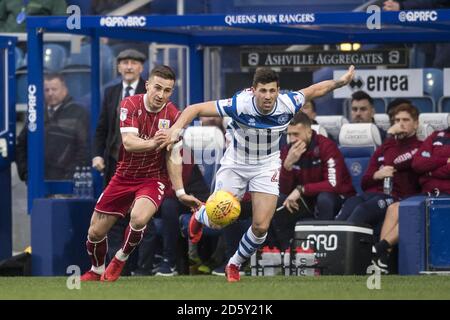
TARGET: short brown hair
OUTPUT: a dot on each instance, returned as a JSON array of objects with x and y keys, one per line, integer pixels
[
  {"x": 265, "y": 75},
  {"x": 53, "y": 76},
  {"x": 407, "y": 107},
  {"x": 301, "y": 118},
  {"x": 164, "y": 72}
]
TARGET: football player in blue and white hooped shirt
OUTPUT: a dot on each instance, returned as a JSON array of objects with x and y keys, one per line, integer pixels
[{"x": 259, "y": 116}]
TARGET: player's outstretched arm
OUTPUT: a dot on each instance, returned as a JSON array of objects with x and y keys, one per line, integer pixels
[
  {"x": 132, "y": 143},
  {"x": 322, "y": 88},
  {"x": 204, "y": 109},
  {"x": 175, "y": 171}
]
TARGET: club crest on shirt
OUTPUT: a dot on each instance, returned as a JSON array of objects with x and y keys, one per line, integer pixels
[
  {"x": 283, "y": 119},
  {"x": 123, "y": 114},
  {"x": 163, "y": 124}
]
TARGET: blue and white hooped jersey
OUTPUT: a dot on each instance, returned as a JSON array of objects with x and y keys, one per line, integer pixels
[{"x": 256, "y": 136}]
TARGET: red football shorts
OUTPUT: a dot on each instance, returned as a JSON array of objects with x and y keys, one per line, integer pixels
[{"x": 120, "y": 194}]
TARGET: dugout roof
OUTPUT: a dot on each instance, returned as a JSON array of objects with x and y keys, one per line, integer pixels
[{"x": 195, "y": 31}]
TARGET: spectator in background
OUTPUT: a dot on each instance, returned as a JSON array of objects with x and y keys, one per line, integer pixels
[
  {"x": 391, "y": 160},
  {"x": 313, "y": 175},
  {"x": 310, "y": 110},
  {"x": 363, "y": 111},
  {"x": 441, "y": 56},
  {"x": 432, "y": 162},
  {"x": 130, "y": 64},
  {"x": 107, "y": 140},
  {"x": 66, "y": 128},
  {"x": 13, "y": 13}
]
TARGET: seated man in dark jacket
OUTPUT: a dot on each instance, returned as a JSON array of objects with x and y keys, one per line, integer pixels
[
  {"x": 66, "y": 132},
  {"x": 314, "y": 177}
]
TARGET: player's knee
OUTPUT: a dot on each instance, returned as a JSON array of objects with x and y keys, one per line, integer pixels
[
  {"x": 259, "y": 229},
  {"x": 95, "y": 234},
  {"x": 138, "y": 222}
]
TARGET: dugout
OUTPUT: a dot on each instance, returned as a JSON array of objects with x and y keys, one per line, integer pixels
[{"x": 196, "y": 33}]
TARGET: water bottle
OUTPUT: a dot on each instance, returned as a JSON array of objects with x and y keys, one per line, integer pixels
[
  {"x": 387, "y": 185},
  {"x": 89, "y": 184},
  {"x": 83, "y": 184},
  {"x": 76, "y": 183}
]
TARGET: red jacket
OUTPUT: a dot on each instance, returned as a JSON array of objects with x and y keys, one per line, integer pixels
[
  {"x": 320, "y": 169},
  {"x": 431, "y": 162},
  {"x": 399, "y": 154}
]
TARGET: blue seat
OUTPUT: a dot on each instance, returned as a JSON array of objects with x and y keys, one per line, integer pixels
[
  {"x": 54, "y": 56},
  {"x": 358, "y": 142},
  {"x": 424, "y": 104},
  {"x": 444, "y": 104},
  {"x": 433, "y": 80},
  {"x": 357, "y": 160},
  {"x": 78, "y": 80},
  {"x": 22, "y": 85},
  {"x": 83, "y": 58},
  {"x": 19, "y": 57},
  {"x": 380, "y": 105}
]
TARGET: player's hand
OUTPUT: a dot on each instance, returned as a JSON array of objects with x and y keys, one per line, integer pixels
[
  {"x": 190, "y": 201},
  {"x": 386, "y": 171},
  {"x": 397, "y": 130},
  {"x": 291, "y": 202},
  {"x": 168, "y": 136},
  {"x": 347, "y": 77},
  {"x": 98, "y": 163},
  {"x": 294, "y": 154},
  {"x": 391, "y": 5}
]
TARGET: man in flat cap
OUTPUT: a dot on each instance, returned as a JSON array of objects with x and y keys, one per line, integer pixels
[
  {"x": 107, "y": 142},
  {"x": 130, "y": 64}
]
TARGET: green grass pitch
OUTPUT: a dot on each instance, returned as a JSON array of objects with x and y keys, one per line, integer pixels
[{"x": 216, "y": 288}]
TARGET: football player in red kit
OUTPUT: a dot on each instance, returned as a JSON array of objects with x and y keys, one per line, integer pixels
[{"x": 141, "y": 176}]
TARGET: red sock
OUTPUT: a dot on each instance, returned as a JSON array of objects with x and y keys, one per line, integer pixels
[
  {"x": 97, "y": 251},
  {"x": 132, "y": 239}
]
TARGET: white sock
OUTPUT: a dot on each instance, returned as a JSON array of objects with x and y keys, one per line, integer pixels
[
  {"x": 247, "y": 247},
  {"x": 98, "y": 270},
  {"x": 121, "y": 256},
  {"x": 202, "y": 217}
]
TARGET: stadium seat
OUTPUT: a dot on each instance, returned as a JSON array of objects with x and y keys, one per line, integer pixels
[
  {"x": 19, "y": 57},
  {"x": 424, "y": 104},
  {"x": 332, "y": 124},
  {"x": 327, "y": 105},
  {"x": 320, "y": 130},
  {"x": 380, "y": 105},
  {"x": 83, "y": 58},
  {"x": 78, "y": 80},
  {"x": 444, "y": 104},
  {"x": 433, "y": 81},
  {"x": 439, "y": 121},
  {"x": 22, "y": 85},
  {"x": 54, "y": 56},
  {"x": 382, "y": 121},
  {"x": 358, "y": 142},
  {"x": 423, "y": 131}
]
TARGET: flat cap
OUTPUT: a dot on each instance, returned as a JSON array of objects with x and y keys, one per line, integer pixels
[{"x": 131, "y": 54}]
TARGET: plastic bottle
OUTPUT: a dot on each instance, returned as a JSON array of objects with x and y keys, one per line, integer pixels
[
  {"x": 89, "y": 184},
  {"x": 276, "y": 260},
  {"x": 387, "y": 185},
  {"x": 266, "y": 261},
  {"x": 287, "y": 262},
  {"x": 76, "y": 183},
  {"x": 83, "y": 184},
  {"x": 304, "y": 260}
]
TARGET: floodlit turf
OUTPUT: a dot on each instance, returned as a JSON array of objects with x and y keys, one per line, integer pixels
[{"x": 215, "y": 288}]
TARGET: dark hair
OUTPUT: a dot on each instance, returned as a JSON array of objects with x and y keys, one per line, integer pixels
[
  {"x": 52, "y": 76},
  {"x": 361, "y": 95},
  {"x": 407, "y": 107},
  {"x": 313, "y": 105},
  {"x": 396, "y": 102},
  {"x": 301, "y": 118},
  {"x": 265, "y": 75},
  {"x": 164, "y": 72}
]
